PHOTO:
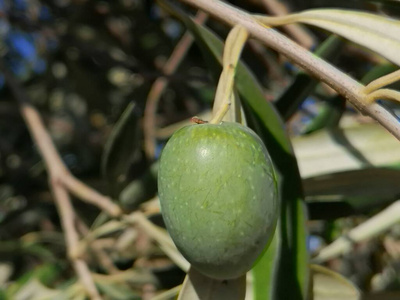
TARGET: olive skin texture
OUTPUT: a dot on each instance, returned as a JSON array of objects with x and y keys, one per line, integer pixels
[{"x": 218, "y": 196}]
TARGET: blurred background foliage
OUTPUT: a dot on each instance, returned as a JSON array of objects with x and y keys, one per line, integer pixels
[{"x": 88, "y": 67}]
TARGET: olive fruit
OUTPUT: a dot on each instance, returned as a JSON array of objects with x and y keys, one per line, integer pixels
[{"x": 218, "y": 195}]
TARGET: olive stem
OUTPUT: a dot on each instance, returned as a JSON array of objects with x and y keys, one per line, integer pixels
[{"x": 235, "y": 41}]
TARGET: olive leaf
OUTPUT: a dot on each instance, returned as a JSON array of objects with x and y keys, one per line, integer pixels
[
  {"x": 120, "y": 148},
  {"x": 377, "y": 33}
]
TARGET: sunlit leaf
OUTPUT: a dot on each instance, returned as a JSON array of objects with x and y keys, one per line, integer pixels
[{"x": 378, "y": 33}]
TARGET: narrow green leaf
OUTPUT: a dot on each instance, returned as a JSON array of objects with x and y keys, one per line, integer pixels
[
  {"x": 200, "y": 287},
  {"x": 121, "y": 147},
  {"x": 289, "y": 258},
  {"x": 378, "y": 33},
  {"x": 303, "y": 85}
]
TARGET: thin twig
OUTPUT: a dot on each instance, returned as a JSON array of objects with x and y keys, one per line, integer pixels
[
  {"x": 149, "y": 119},
  {"x": 341, "y": 82}
]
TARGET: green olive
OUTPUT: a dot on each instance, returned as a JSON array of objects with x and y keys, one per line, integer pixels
[{"x": 218, "y": 195}]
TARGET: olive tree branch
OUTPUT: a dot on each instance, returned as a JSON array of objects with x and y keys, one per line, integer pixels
[{"x": 341, "y": 82}]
